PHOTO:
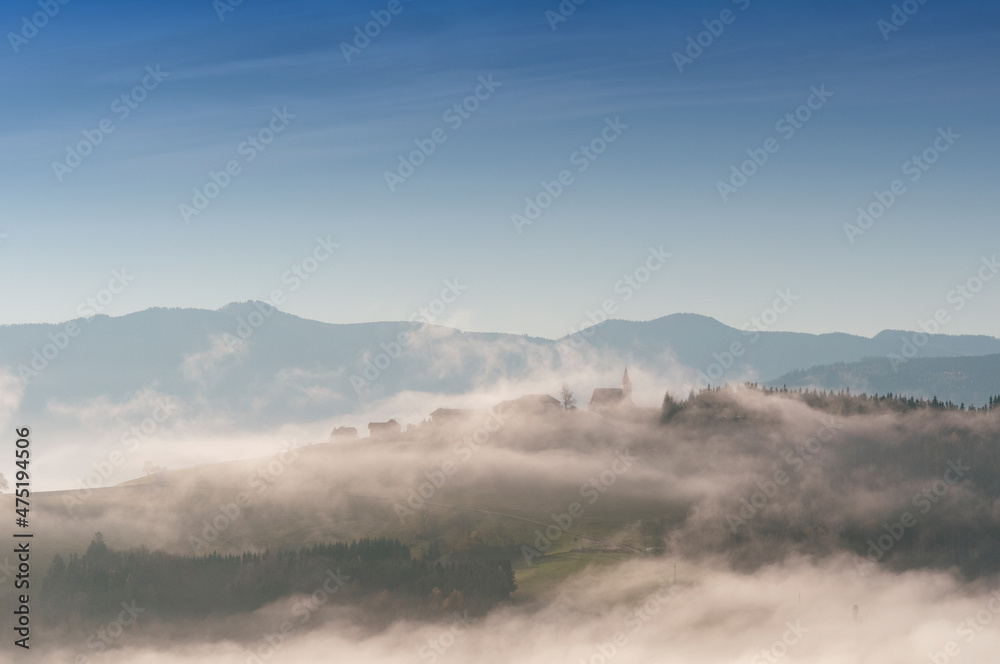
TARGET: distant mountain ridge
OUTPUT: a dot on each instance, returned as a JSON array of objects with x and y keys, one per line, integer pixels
[
  {"x": 266, "y": 366},
  {"x": 697, "y": 340},
  {"x": 968, "y": 380}
]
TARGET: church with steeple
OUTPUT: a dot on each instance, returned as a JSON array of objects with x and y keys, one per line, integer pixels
[{"x": 612, "y": 398}]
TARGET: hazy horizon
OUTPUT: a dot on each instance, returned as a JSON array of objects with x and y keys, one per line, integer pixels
[
  {"x": 584, "y": 324},
  {"x": 872, "y": 100},
  {"x": 571, "y": 331}
]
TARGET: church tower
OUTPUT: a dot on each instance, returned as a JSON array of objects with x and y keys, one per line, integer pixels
[{"x": 626, "y": 386}]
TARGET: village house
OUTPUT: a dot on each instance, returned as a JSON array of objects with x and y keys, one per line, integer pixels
[
  {"x": 384, "y": 429},
  {"x": 342, "y": 433},
  {"x": 610, "y": 399},
  {"x": 604, "y": 400},
  {"x": 457, "y": 416},
  {"x": 529, "y": 404}
]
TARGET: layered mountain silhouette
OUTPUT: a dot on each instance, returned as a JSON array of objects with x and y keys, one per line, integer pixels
[
  {"x": 266, "y": 366},
  {"x": 968, "y": 380}
]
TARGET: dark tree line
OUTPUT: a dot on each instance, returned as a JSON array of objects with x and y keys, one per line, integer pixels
[
  {"x": 932, "y": 477},
  {"x": 717, "y": 403},
  {"x": 93, "y": 585}
]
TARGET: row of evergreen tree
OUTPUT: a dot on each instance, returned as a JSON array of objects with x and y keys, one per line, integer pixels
[
  {"x": 94, "y": 584},
  {"x": 714, "y": 399}
]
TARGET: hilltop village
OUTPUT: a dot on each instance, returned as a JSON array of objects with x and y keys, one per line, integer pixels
[{"x": 604, "y": 401}]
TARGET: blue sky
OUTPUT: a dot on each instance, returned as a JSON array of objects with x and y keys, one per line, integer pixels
[{"x": 655, "y": 185}]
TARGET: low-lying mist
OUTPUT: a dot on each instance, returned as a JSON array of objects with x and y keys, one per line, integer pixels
[
  {"x": 779, "y": 517},
  {"x": 799, "y": 611}
]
